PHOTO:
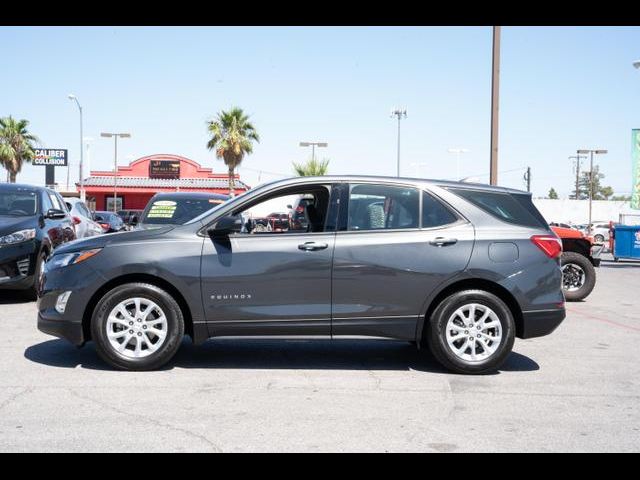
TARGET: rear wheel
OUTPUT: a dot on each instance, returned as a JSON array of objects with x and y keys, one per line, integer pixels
[
  {"x": 578, "y": 276},
  {"x": 471, "y": 332},
  {"x": 598, "y": 238},
  {"x": 137, "y": 326}
]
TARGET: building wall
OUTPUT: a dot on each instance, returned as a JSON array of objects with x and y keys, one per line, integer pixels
[{"x": 577, "y": 211}]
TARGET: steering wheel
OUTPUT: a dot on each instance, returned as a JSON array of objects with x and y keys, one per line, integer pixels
[{"x": 18, "y": 212}]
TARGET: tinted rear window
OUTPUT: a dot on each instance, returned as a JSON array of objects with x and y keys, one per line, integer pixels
[{"x": 517, "y": 209}]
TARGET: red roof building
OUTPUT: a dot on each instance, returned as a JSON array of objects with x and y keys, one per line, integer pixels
[{"x": 136, "y": 183}]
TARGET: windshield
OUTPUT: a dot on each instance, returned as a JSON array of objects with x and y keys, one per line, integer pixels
[
  {"x": 20, "y": 203},
  {"x": 177, "y": 211}
]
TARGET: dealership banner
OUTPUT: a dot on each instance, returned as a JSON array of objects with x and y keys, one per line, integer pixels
[
  {"x": 635, "y": 168},
  {"x": 56, "y": 157}
]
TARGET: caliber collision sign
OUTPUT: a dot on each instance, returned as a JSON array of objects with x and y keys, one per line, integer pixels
[{"x": 50, "y": 156}]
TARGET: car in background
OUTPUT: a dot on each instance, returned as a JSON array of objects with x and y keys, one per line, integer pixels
[
  {"x": 177, "y": 208},
  {"x": 578, "y": 263},
  {"x": 34, "y": 221},
  {"x": 279, "y": 221},
  {"x": 563, "y": 225},
  {"x": 110, "y": 222},
  {"x": 599, "y": 230},
  {"x": 82, "y": 218},
  {"x": 130, "y": 217}
]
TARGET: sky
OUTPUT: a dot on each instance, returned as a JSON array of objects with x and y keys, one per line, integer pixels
[{"x": 561, "y": 88}]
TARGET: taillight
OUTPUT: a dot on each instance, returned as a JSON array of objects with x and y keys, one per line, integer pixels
[
  {"x": 549, "y": 244},
  {"x": 76, "y": 220}
]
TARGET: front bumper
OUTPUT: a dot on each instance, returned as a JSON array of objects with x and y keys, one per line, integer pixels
[
  {"x": 83, "y": 282},
  {"x": 538, "y": 323},
  {"x": 61, "y": 328},
  {"x": 17, "y": 265}
]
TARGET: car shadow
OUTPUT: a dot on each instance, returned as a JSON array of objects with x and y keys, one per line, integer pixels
[
  {"x": 274, "y": 354},
  {"x": 8, "y": 297}
]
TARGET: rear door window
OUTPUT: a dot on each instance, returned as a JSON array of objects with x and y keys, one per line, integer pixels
[
  {"x": 383, "y": 207},
  {"x": 517, "y": 209}
]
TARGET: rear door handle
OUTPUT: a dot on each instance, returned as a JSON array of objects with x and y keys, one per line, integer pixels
[
  {"x": 312, "y": 246},
  {"x": 443, "y": 242}
]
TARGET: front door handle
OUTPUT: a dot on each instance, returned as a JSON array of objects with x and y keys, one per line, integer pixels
[
  {"x": 312, "y": 246},
  {"x": 443, "y": 242}
]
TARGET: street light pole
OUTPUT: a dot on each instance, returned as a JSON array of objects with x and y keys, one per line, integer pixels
[
  {"x": 313, "y": 146},
  {"x": 495, "y": 97},
  {"x": 591, "y": 152},
  {"x": 457, "y": 151},
  {"x": 115, "y": 164},
  {"x": 82, "y": 193},
  {"x": 400, "y": 113}
]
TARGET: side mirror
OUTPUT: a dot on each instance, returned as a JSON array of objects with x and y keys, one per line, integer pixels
[
  {"x": 290, "y": 207},
  {"x": 226, "y": 226},
  {"x": 134, "y": 221},
  {"x": 55, "y": 214}
]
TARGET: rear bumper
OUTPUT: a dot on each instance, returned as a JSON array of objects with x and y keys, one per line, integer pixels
[{"x": 538, "y": 323}]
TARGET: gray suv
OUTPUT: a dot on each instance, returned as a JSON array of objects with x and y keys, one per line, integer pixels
[{"x": 459, "y": 268}]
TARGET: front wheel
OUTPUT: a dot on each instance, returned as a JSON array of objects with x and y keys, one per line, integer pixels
[
  {"x": 471, "y": 332},
  {"x": 137, "y": 326},
  {"x": 578, "y": 276},
  {"x": 32, "y": 292}
]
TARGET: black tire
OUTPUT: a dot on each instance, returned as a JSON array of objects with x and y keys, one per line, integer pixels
[
  {"x": 32, "y": 291},
  {"x": 598, "y": 238},
  {"x": 171, "y": 310},
  {"x": 573, "y": 258},
  {"x": 436, "y": 332}
]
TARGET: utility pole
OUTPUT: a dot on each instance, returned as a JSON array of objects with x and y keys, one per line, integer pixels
[
  {"x": 495, "y": 97},
  {"x": 400, "y": 113},
  {"x": 577, "y": 159},
  {"x": 591, "y": 152},
  {"x": 527, "y": 178}
]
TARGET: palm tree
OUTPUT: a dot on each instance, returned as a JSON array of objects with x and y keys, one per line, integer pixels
[
  {"x": 311, "y": 168},
  {"x": 16, "y": 145},
  {"x": 232, "y": 137}
]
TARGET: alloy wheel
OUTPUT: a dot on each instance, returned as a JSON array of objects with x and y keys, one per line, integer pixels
[
  {"x": 573, "y": 277},
  {"x": 136, "y": 327},
  {"x": 474, "y": 332}
]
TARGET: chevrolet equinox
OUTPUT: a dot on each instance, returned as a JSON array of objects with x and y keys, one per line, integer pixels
[{"x": 459, "y": 268}]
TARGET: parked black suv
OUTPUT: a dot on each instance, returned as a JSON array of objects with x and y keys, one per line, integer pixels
[{"x": 33, "y": 222}]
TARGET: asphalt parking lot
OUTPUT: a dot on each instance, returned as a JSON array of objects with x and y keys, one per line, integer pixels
[{"x": 576, "y": 390}]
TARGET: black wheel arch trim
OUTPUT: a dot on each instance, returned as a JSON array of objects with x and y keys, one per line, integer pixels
[{"x": 465, "y": 281}]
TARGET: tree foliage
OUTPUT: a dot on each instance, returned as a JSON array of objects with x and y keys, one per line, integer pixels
[
  {"x": 232, "y": 137},
  {"x": 311, "y": 168},
  {"x": 16, "y": 145}
]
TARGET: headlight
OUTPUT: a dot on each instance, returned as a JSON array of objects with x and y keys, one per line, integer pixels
[
  {"x": 18, "y": 237},
  {"x": 66, "y": 259}
]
